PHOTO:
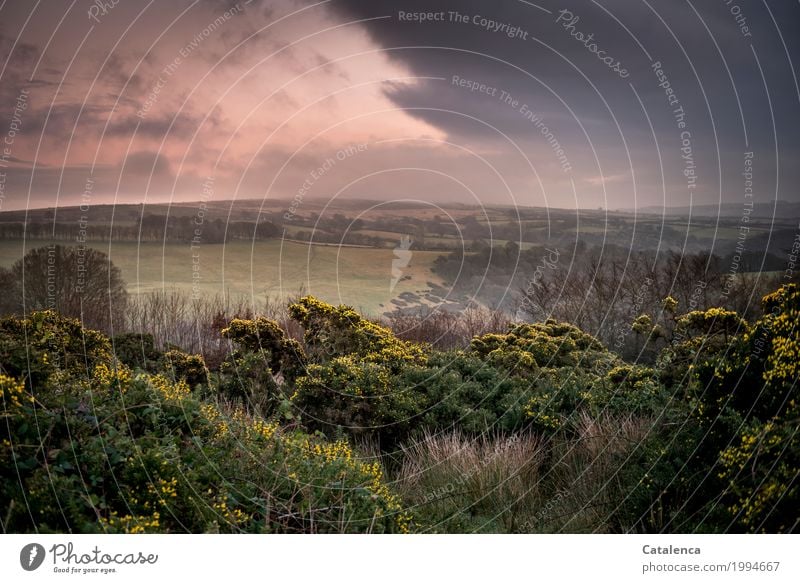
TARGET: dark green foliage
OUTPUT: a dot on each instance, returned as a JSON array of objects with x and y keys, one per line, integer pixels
[
  {"x": 95, "y": 449},
  {"x": 45, "y": 342},
  {"x": 761, "y": 467},
  {"x": 262, "y": 336},
  {"x": 264, "y": 360},
  {"x": 542, "y": 428},
  {"x": 246, "y": 378},
  {"x": 136, "y": 351},
  {"x": 462, "y": 392},
  {"x": 191, "y": 368},
  {"x": 528, "y": 347},
  {"x": 359, "y": 397},
  {"x": 338, "y": 331}
]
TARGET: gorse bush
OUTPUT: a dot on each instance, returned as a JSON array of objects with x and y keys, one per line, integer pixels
[
  {"x": 112, "y": 451},
  {"x": 44, "y": 343},
  {"x": 539, "y": 428},
  {"x": 190, "y": 368},
  {"x": 136, "y": 350},
  {"x": 339, "y": 331},
  {"x": 762, "y": 465}
]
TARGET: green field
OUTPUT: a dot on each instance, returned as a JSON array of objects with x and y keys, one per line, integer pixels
[{"x": 360, "y": 277}]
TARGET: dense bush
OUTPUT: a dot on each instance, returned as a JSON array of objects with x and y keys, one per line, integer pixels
[
  {"x": 761, "y": 466},
  {"x": 136, "y": 350},
  {"x": 190, "y": 368},
  {"x": 539, "y": 428},
  {"x": 534, "y": 376},
  {"x": 265, "y": 358},
  {"x": 332, "y": 331},
  {"x": 36, "y": 347},
  {"x": 727, "y": 457},
  {"x": 97, "y": 449}
]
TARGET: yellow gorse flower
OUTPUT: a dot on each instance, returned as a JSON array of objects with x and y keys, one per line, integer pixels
[{"x": 13, "y": 392}]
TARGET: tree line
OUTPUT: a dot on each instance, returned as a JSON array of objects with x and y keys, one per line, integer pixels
[{"x": 150, "y": 227}]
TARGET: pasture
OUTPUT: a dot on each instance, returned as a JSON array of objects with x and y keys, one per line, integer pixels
[{"x": 360, "y": 277}]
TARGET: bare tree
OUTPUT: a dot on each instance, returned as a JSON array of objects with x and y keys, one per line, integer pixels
[{"x": 78, "y": 282}]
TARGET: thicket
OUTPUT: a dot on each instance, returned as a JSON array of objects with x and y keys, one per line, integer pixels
[{"x": 329, "y": 422}]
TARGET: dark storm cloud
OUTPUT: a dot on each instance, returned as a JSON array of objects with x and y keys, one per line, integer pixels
[
  {"x": 712, "y": 63},
  {"x": 561, "y": 96}
]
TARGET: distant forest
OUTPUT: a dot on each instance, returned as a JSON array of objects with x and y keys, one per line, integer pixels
[{"x": 149, "y": 228}]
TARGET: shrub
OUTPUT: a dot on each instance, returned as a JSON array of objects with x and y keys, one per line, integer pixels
[
  {"x": 528, "y": 347},
  {"x": 761, "y": 471},
  {"x": 190, "y": 368},
  {"x": 108, "y": 451},
  {"x": 136, "y": 351},
  {"x": 45, "y": 342},
  {"x": 339, "y": 331},
  {"x": 262, "y": 336},
  {"x": 462, "y": 392},
  {"x": 360, "y": 397},
  {"x": 264, "y": 360},
  {"x": 760, "y": 466}
]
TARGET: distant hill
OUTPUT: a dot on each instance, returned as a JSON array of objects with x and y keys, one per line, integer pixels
[{"x": 782, "y": 209}]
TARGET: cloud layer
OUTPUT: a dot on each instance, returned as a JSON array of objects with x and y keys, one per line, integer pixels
[{"x": 607, "y": 103}]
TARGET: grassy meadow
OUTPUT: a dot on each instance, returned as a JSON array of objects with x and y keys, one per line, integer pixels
[{"x": 360, "y": 277}]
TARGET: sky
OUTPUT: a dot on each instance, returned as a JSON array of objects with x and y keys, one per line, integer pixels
[{"x": 570, "y": 104}]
